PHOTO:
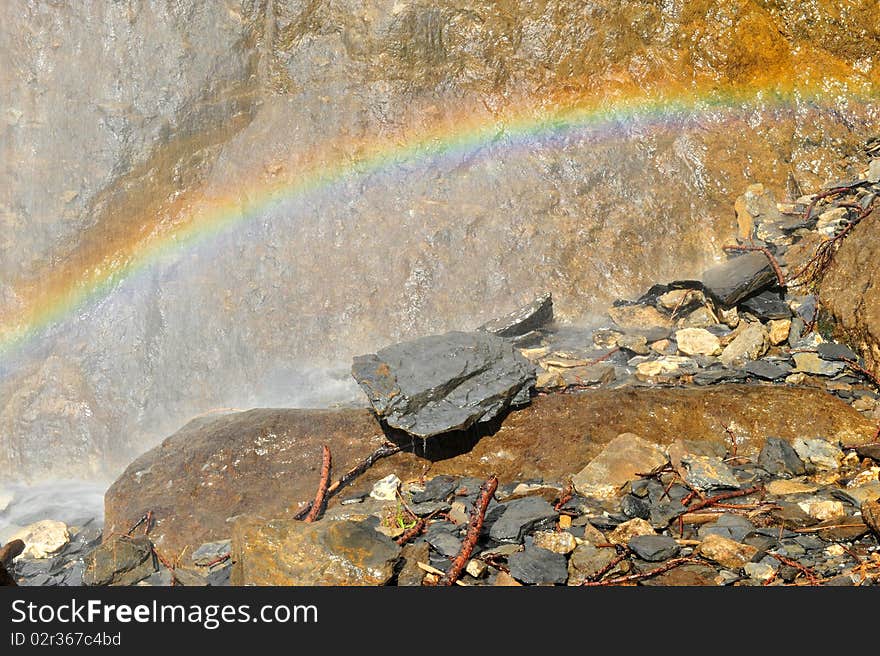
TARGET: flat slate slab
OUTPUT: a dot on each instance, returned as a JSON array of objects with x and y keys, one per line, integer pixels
[{"x": 738, "y": 278}]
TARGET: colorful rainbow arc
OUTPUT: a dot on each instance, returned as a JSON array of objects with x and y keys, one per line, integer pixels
[{"x": 460, "y": 137}]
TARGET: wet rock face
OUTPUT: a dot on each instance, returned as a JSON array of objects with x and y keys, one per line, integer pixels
[
  {"x": 221, "y": 101},
  {"x": 851, "y": 293}
]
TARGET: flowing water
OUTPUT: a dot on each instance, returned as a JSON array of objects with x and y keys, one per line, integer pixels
[{"x": 216, "y": 205}]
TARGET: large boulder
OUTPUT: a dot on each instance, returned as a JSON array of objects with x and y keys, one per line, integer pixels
[
  {"x": 443, "y": 383},
  {"x": 850, "y": 291},
  {"x": 267, "y": 462}
]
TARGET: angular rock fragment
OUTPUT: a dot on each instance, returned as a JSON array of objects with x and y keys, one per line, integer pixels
[
  {"x": 834, "y": 351},
  {"x": 653, "y": 548},
  {"x": 738, "y": 278},
  {"x": 538, "y": 566},
  {"x": 120, "y": 561},
  {"x": 750, "y": 344},
  {"x": 726, "y": 552},
  {"x": 619, "y": 462},
  {"x": 519, "y": 516},
  {"x": 442, "y": 383},
  {"x": 779, "y": 457},
  {"x": 766, "y": 306},
  {"x": 811, "y": 363},
  {"x": 766, "y": 369},
  {"x": 524, "y": 320}
]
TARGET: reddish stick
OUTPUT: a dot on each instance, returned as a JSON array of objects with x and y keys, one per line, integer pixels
[
  {"x": 321, "y": 494},
  {"x": 478, "y": 514},
  {"x": 611, "y": 565},
  {"x": 665, "y": 567},
  {"x": 760, "y": 249},
  {"x": 387, "y": 449},
  {"x": 722, "y": 497},
  {"x": 806, "y": 571}
]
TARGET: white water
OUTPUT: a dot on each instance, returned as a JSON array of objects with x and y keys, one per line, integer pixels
[{"x": 72, "y": 502}]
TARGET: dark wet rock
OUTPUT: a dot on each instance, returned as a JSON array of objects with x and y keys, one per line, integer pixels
[
  {"x": 779, "y": 457},
  {"x": 536, "y": 565},
  {"x": 410, "y": 573},
  {"x": 219, "y": 576},
  {"x": 520, "y": 516},
  {"x": 871, "y": 451},
  {"x": 441, "y": 383},
  {"x": 429, "y": 507},
  {"x": 767, "y": 369},
  {"x": 708, "y": 473},
  {"x": 719, "y": 375},
  {"x": 121, "y": 561},
  {"x": 737, "y": 278},
  {"x": 211, "y": 551},
  {"x": 290, "y": 552},
  {"x": 436, "y": 489},
  {"x": 766, "y": 306},
  {"x": 444, "y": 538},
  {"x": 728, "y": 525},
  {"x": 809, "y": 542},
  {"x": 524, "y": 320},
  {"x": 834, "y": 351},
  {"x": 663, "y": 513},
  {"x": 632, "y": 506},
  {"x": 653, "y": 548},
  {"x": 843, "y": 529}
]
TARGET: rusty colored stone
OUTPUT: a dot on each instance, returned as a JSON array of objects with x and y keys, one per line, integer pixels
[{"x": 267, "y": 461}]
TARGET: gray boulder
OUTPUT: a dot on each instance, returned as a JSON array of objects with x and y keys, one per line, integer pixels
[{"x": 442, "y": 383}]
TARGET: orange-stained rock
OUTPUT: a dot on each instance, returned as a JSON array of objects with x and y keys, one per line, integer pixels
[{"x": 267, "y": 462}]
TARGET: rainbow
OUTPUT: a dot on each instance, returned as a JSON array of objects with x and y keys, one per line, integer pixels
[{"x": 61, "y": 295}]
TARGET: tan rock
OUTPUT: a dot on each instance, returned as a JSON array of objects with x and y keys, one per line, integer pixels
[
  {"x": 638, "y": 344},
  {"x": 729, "y": 317},
  {"x": 592, "y": 535},
  {"x": 697, "y": 341},
  {"x": 823, "y": 510},
  {"x": 660, "y": 346},
  {"x": 726, "y": 552},
  {"x": 561, "y": 542},
  {"x": 778, "y": 330},
  {"x": 638, "y": 317},
  {"x": 677, "y": 298},
  {"x": 623, "y": 532},
  {"x": 781, "y": 487},
  {"x": 619, "y": 462},
  {"x": 289, "y": 552},
  {"x": 548, "y": 440},
  {"x": 702, "y": 317},
  {"x": 564, "y": 522},
  {"x": 550, "y": 380},
  {"x": 750, "y": 344},
  {"x": 506, "y": 580},
  {"x": 42, "y": 539}
]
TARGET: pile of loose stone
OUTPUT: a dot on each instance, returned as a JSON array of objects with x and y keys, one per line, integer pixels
[
  {"x": 734, "y": 325},
  {"x": 804, "y": 513}
]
